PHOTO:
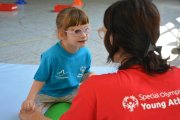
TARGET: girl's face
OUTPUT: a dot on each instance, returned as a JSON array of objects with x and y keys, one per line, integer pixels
[
  {"x": 74, "y": 37},
  {"x": 77, "y": 36}
]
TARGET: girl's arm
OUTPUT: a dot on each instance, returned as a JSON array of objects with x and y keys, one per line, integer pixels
[
  {"x": 29, "y": 103},
  {"x": 87, "y": 75}
]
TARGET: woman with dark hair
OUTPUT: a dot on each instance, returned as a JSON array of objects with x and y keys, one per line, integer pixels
[
  {"x": 145, "y": 87},
  {"x": 132, "y": 31}
]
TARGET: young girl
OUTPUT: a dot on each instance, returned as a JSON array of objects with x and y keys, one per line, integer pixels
[{"x": 63, "y": 66}]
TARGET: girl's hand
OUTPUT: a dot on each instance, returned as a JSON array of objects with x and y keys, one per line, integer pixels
[
  {"x": 87, "y": 75},
  {"x": 91, "y": 74},
  {"x": 28, "y": 105}
]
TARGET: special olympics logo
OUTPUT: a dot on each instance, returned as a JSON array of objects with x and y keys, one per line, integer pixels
[{"x": 130, "y": 102}]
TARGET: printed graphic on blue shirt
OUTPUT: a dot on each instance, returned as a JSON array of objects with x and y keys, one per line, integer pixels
[
  {"x": 82, "y": 70},
  {"x": 63, "y": 74}
]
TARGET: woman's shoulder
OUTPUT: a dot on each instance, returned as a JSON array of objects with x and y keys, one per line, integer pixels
[
  {"x": 175, "y": 70},
  {"x": 103, "y": 78},
  {"x": 99, "y": 81}
]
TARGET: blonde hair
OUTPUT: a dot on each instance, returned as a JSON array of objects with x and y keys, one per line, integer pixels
[{"x": 71, "y": 17}]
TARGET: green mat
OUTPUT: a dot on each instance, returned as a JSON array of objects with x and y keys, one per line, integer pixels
[{"x": 56, "y": 110}]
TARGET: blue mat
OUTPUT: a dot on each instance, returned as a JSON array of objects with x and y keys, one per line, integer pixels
[{"x": 16, "y": 80}]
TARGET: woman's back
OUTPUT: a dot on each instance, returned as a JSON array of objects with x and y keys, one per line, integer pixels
[{"x": 130, "y": 95}]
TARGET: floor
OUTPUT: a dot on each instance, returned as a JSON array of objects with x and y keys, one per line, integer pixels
[{"x": 27, "y": 32}]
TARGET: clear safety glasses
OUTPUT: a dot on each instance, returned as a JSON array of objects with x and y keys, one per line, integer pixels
[
  {"x": 79, "y": 31},
  {"x": 102, "y": 32}
]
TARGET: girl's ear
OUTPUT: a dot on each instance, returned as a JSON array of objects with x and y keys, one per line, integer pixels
[{"x": 60, "y": 35}]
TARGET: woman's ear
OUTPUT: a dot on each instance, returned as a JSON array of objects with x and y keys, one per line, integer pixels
[
  {"x": 119, "y": 56},
  {"x": 111, "y": 39}
]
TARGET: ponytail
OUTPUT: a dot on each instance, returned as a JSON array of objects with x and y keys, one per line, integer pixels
[{"x": 152, "y": 63}]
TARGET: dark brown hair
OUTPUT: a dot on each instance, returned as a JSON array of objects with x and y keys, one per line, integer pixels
[
  {"x": 134, "y": 26},
  {"x": 71, "y": 17}
]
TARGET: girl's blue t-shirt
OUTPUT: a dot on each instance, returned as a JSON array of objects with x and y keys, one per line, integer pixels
[{"x": 62, "y": 71}]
